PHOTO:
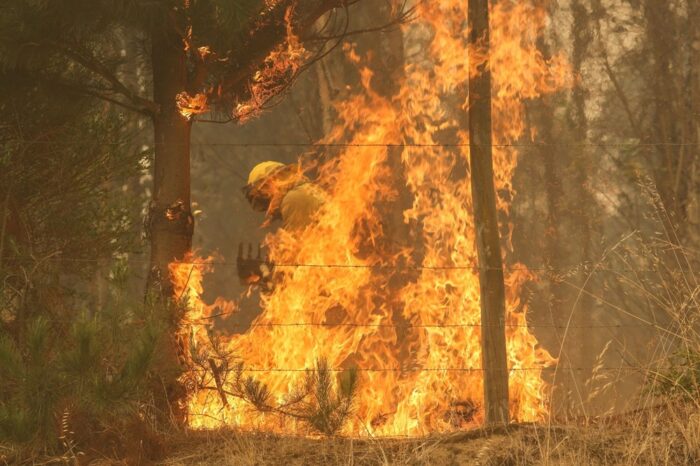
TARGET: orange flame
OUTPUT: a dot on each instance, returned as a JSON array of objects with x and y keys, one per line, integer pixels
[
  {"x": 406, "y": 316},
  {"x": 191, "y": 105},
  {"x": 278, "y": 70}
]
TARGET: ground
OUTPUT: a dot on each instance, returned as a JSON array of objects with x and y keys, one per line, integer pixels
[{"x": 665, "y": 435}]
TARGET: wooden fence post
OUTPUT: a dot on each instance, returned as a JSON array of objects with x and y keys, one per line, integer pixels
[{"x": 493, "y": 339}]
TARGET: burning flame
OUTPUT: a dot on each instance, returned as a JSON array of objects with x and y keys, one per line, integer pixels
[
  {"x": 191, "y": 105},
  {"x": 399, "y": 299},
  {"x": 278, "y": 70}
]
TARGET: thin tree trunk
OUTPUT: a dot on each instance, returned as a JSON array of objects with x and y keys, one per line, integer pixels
[
  {"x": 3, "y": 224},
  {"x": 493, "y": 341},
  {"x": 581, "y": 203},
  {"x": 693, "y": 220},
  {"x": 554, "y": 249},
  {"x": 579, "y": 122},
  {"x": 324, "y": 97},
  {"x": 170, "y": 220},
  {"x": 660, "y": 32}
]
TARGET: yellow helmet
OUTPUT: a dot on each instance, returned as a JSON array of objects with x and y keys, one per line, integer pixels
[{"x": 262, "y": 170}]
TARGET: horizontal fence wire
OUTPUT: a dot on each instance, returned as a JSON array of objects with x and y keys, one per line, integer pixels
[
  {"x": 559, "y": 268},
  {"x": 591, "y": 269},
  {"x": 464, "y": 369},
  {"x": 389, "y": 145},
  {"x": 201, "y": 321},
  {"x": 409, "y": 326},
  {"x": 649, "y": 325}
]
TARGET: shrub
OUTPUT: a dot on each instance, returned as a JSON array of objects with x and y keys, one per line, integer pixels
[{"x": 65, "y": 379}]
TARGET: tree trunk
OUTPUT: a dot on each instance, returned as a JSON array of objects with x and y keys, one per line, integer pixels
[
  {"x": 170, "y": 221},
  {"x": 693, "y": 219},
  {"x": 580, "y": 202},
  {"x": 660, "y": 32},
  {"x": 493, "y": 340}
]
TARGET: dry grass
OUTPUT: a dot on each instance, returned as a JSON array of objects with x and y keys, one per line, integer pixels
[{"x": 665, "y": 435}]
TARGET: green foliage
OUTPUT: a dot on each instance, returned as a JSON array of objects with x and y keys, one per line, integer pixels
[
  {"x": 96, "y": 365},
  {"x": 85, "y": 47},
  {"x": 683, "y": 379},
  {"x": 331, "y": 404},
  {"x": 63, "y": 170},
  {"x": 67, "y": 197},
  {"x": 82, "y": 47},
  {"x": 324, "y": 400}
]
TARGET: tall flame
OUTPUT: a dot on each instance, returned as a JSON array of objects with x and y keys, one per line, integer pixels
[{"x": 399, "y": 298}]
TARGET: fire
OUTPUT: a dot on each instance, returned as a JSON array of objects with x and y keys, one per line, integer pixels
[
  {"x": 399, "y": 298},
  {"x": 278, "y": 70},
  {"x": 194, "y": 337},
  {"x": 191, "y": 105}
]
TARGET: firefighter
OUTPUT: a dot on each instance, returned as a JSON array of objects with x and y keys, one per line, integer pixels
[{"x": 284, "y": 193}]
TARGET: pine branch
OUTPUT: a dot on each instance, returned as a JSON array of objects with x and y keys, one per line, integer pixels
[
  {"x": 270, "y": 31},
  {"x": 321, "y": 402},
  {"x": 136, "y": 102},
  {"x": 82, "y": 89}
]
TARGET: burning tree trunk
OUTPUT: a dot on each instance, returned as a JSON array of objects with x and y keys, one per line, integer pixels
[
  {"x": 493, "y": 338},
  {"x": 171, "y": 223}
]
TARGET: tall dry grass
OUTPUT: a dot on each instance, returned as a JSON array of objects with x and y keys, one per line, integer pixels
[{"x": 668, "y": 435}]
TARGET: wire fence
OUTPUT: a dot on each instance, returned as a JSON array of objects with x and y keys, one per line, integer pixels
[
  {"x": 421, "y": 326},
  {"x": 585, "y": 267},
  {"x": 203, "y": 320},
  {"x": 588, "y": 268},
  {"x": 328, "y": 325},
  {"x": 582, "y": 267},
  {"x": 467, "y": 369},
  {"x": 392, "y": 145},
  {"x": 649, "y": 369}
]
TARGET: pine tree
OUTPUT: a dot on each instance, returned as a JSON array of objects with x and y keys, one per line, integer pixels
[
  {"x": 64, "y": 163},
  {"x": 90, "y": 371}
]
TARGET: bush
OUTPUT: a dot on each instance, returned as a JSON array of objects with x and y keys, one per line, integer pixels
[
  {"x": 682, "y": 381},
  {"x": 64, "y": 380}
]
